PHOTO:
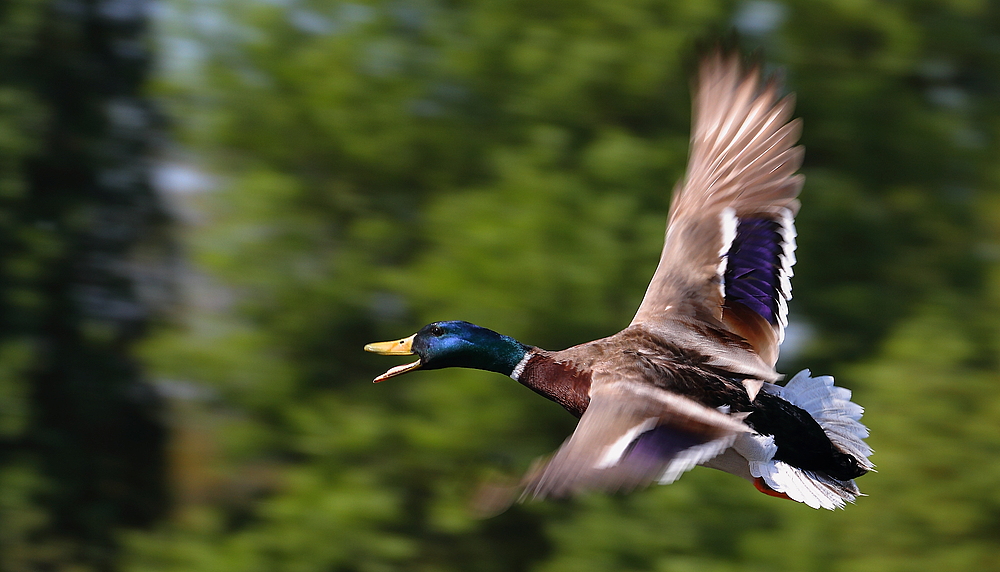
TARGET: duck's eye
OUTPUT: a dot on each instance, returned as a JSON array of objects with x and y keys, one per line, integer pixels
[{"x": 436, "y": 331}]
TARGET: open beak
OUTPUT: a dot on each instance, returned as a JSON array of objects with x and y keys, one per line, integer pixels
[{"x": 402, "y": 347}]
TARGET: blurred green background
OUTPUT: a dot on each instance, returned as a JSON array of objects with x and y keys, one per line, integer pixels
[{"x": 208, "y": 206}]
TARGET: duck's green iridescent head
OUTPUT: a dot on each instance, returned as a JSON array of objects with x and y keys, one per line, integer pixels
[{"x": 453, "y": 344}]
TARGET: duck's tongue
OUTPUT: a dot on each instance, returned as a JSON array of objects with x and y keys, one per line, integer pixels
[{"x": 398, "y": 370}]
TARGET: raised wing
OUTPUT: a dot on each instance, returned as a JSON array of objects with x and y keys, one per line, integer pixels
[
  {"x": 631, "y": 435},
  {"x": 730, "y": 240}
]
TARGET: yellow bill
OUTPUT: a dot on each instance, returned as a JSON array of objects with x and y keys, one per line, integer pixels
[{"x": 402, "y": 347}]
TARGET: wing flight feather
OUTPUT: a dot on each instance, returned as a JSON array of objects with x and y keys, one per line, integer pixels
[
  {"x": 631, "y": 435},
  {"x": 743, "y": 164}
]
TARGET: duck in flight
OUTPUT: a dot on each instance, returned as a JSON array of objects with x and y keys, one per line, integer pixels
[{"x": 691, "y": 381}]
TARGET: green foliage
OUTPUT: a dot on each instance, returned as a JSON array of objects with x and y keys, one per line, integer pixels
[
  {"x": 81, "y": 447},
  {"x": 386, "y": 164}
]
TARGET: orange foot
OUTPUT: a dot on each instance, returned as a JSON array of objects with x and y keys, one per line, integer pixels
[{"x": 762, "y": 487}]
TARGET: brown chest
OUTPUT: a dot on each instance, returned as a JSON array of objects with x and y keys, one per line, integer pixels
[{"x": 559, "y": 381}]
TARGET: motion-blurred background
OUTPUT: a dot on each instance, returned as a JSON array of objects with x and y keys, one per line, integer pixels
[{"x": 208, "y": 206}]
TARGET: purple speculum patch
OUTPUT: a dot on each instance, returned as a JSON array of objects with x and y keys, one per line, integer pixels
[
  {"x": 656, "y": 447},
  {"x": 754, "y": 267}
]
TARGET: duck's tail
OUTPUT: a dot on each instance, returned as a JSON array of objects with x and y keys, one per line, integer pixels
[{"x": 833, "y": 410}]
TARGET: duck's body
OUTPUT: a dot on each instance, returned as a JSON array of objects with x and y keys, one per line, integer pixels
[{"x": 691, "y": 380}]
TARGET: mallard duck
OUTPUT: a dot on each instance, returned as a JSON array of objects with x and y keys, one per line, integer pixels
[{"x": 692, "y": 380}]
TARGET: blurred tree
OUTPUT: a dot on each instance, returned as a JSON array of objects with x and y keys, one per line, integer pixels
[
  {"x": 385, "y": 164},
  {"x": 82, "y": 452}
]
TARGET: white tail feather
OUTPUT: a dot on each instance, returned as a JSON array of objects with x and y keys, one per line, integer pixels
[{"x": 832, "y": 408}]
